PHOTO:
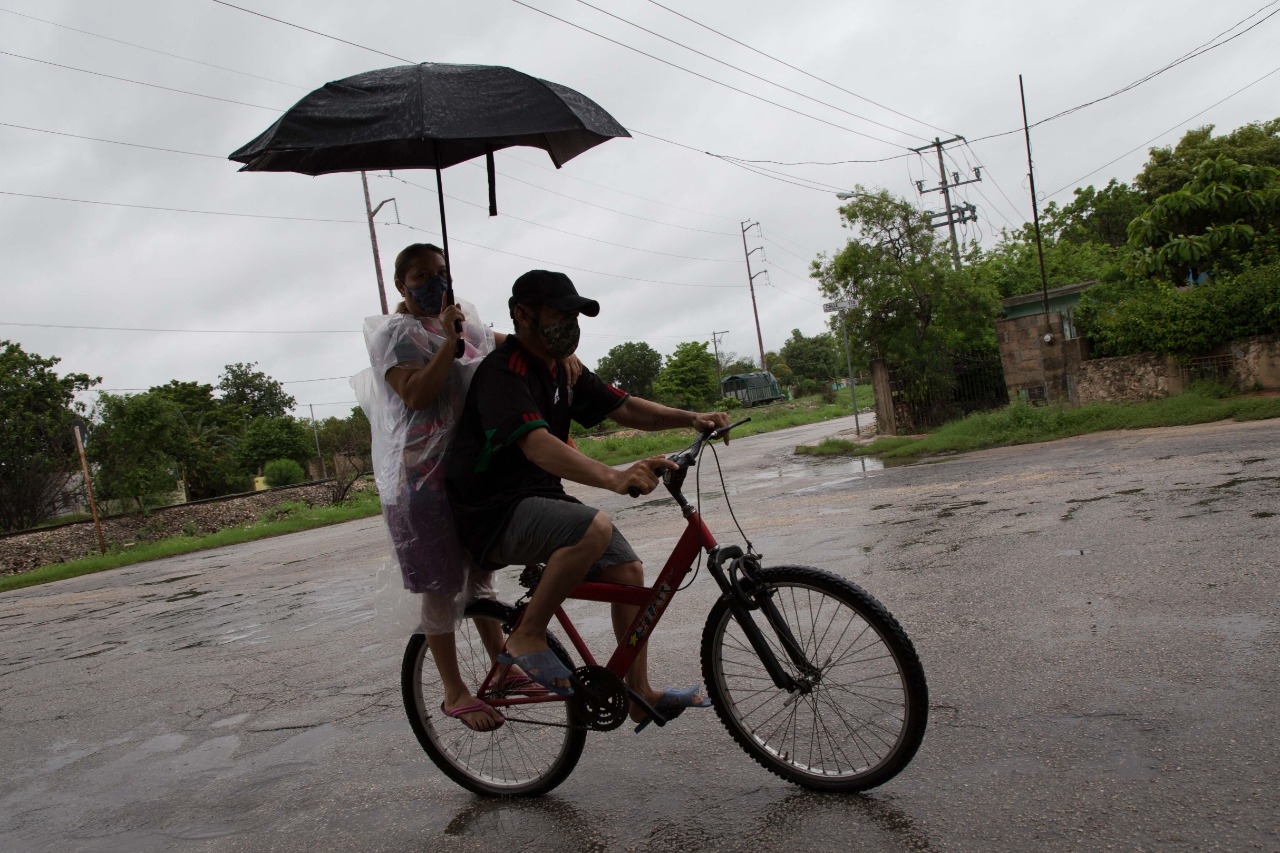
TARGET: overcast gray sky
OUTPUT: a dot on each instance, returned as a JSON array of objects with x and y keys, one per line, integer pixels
[{"x": 649, "y": 228}]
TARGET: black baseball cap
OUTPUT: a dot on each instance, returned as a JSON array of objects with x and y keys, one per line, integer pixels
[{"x": 543, "y": 287}]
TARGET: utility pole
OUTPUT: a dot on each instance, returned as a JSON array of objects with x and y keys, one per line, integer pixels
[
  {"x": 954, "y": 215},
  {"x": 715, "y": 342},
  {"x": 371, "y": 212},
  {"x": 324, "y": 472},
  {"x": 747, "y": 225},
  {"x": 88, "y": 485},
  {"x": 1035, "y": 208}
]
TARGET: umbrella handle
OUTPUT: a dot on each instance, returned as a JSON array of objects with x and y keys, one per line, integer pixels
[{"x": 444, "y": 234}]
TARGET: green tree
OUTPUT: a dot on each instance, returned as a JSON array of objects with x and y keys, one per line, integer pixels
[
  {"x": 349, "y": 436},
  {"x": 1095, "y": 216},
  {"x": 253, "y": 394},
  {"x": 134, "y": 444},
  {"x": 731, "y": 363},
  {"x": 1012, "y": 266},
  {"x": 282, "y": 472},
  {"x": 909, "y": 305},
  {"x": 37, "y": 447},
  {"x": 265, "y": 439},
  {"x": 632, "y": 366},
  {"x": 206, "y": 455},
  {"x": 688, "y": 379},
  {"x": 1169, "y": 169},
  {"x": 779, "y": 368},
  {"x": 1225, "y": 218},
  {"x": 816, "y": 358}
]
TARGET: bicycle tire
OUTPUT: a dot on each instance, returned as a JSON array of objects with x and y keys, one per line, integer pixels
[
  {"x": 862, "y": 721},
  {"x": 522, "y": 758}
]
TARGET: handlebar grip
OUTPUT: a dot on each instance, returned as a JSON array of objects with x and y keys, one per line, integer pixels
[{"x": 633, "y": 491}]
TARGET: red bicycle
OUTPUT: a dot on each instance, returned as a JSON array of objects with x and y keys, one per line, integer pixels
[{"x": 809, "y": 673}]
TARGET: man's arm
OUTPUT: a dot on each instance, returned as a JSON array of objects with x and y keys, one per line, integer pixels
[
  {"x": 555, "y": 457},
  {"x": 648, "y": 415}
]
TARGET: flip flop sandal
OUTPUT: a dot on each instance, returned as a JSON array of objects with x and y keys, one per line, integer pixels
[
  {"x": 475, "y": 708},
  {"x": 540, "y": 667},
  {"x": 672, "y": 704}
]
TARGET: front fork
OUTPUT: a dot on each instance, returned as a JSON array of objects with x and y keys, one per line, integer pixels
[{"x": 746, "y": 594}]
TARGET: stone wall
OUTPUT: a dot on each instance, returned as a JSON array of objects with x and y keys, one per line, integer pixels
[
  {"x": 1257, "y": 362},
  {"x": 1129, "y": 378},
  {"x": 20, "y": 552},
  {"x": 1133, "y": 378}
]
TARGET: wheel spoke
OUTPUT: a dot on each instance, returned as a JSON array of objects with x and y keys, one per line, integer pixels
[{"x": 850, "y": 724}]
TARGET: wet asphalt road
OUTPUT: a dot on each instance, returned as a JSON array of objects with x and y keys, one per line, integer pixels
[{"x": 1097, "y": 619}]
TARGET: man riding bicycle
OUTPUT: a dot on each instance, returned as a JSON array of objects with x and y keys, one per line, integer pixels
[{"x": 511, "y": 452}]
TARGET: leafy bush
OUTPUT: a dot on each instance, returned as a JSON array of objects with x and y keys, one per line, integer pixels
[
  {"x": 1127, "y": 318},
  {"x": 283, "y": 472},
  {"x": 728, "y": 404}
]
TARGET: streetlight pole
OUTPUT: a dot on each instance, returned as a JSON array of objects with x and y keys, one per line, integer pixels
[{"x": 842, "y": 306}]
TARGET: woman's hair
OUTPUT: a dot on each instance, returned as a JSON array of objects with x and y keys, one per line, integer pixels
[{"x": 411, "y": 253}]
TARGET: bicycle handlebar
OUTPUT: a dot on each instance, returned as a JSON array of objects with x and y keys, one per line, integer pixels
[{"x": 689, "y": 455}]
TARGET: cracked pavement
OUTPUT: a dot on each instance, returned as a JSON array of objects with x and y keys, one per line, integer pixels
[{"x": 1097, "y": 618}]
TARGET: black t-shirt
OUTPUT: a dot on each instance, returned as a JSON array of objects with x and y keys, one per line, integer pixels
[{"x": 511, "y": 394}]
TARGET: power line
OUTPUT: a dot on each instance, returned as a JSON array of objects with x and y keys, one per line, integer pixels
[
  {"x": 151, "y": 49},
  {"x": 508, "y": 155},
  {"x": 183, "y": 210},
  {"x": 752, "y": 75},
  {"x": 1199, "y": 51},
  {"x": 560, "y": 230},
  {"x": 362, "y": 222},
  {"x": 800, "y": 70},
  {"x": 186, "y": 331},
  {"x": 1177, "y": 126},
  {"x": 314, "y": 32},
  {"x": 701, "y": 76},
  {"x": 568, "y": 266},
  {"x": 1186, "y": 57},
  {"x": 610, "y": 209},
  {"x": 137, "y": 82},
  {"x": 113, "y": 141}
]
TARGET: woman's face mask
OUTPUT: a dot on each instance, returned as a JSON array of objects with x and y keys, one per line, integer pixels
[{"x": 430, "y": 296}]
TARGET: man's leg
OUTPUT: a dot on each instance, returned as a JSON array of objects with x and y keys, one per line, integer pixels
[
  {"x": 623, "y": 615},
  {"x": 566, "y": 568}
]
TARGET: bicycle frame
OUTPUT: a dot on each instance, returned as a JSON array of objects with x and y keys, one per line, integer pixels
[{"x": 653, "y": 601}]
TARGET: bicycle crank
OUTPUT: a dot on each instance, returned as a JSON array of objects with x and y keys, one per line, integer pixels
[{"x": 600, "y": 698}]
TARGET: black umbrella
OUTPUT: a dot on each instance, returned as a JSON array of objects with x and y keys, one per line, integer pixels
[{"x": 428, "y": 116}]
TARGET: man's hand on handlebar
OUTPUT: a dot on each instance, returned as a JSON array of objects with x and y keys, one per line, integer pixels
[
  {"x": 711, "y": 420},
  {"x": 643, "y": 476}
]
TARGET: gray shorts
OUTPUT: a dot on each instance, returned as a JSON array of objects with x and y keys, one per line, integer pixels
[{"x": 541, "y": 526}]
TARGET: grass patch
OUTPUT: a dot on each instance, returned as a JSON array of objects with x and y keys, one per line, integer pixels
[
  {"x": 612, "y": 450},
  {"x": 289, "y": 517},
  {"x": 1023, "y": 424}
]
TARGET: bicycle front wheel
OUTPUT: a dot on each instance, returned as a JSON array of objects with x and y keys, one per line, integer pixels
[
  {"x": 532, "y": 752},
  {"x": 859, "y": 713}
]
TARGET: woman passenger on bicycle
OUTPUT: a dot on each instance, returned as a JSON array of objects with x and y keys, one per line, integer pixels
[{"x": 419, "y": 389}]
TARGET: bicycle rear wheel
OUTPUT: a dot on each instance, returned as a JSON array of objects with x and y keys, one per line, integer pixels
[
  {"x": 531, "y": 753},
  {"x": 860, "y": 713}
]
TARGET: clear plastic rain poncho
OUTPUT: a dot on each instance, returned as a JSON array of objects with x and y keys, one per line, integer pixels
[{"x": 408, "y": 456}]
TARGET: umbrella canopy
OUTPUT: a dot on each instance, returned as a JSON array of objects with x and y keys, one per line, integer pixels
[{"x": 427, "y": 116}]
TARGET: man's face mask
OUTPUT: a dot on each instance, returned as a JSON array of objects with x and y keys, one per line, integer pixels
[
  {"x": 430, "y": 296},
  {"x": 561, "y": 339}
]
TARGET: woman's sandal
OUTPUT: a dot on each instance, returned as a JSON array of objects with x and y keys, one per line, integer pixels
[{"x": 476, "y": 708}]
